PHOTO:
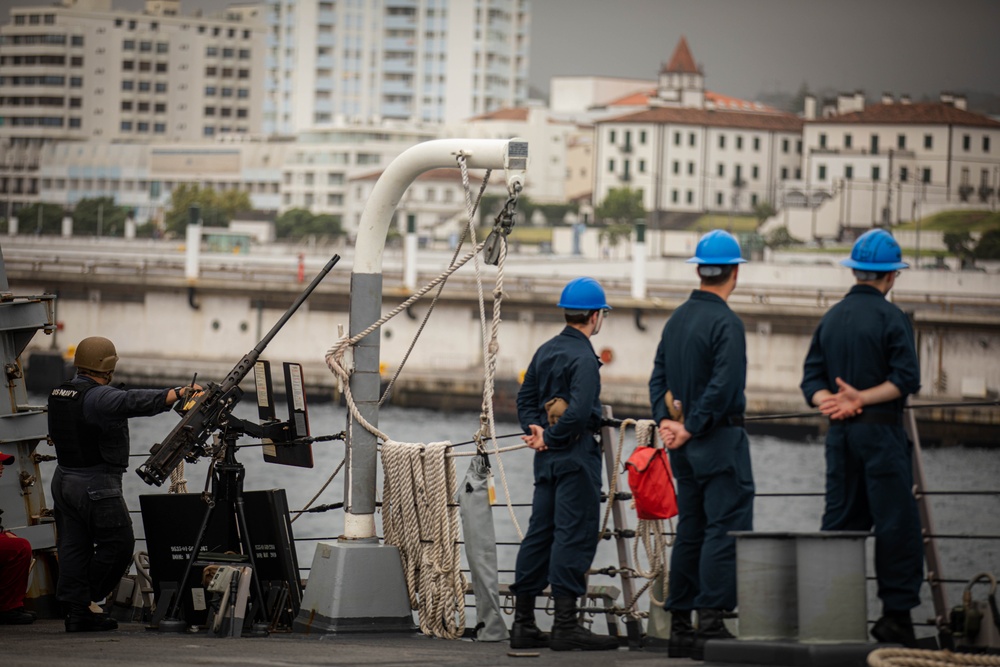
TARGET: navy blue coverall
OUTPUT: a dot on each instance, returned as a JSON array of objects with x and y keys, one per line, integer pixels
[
  {"x": 565, "y": 512},
  {"x": 94, "y": 538},
  {"x": 865, "y": 340},
  {"x": 701, "y": 359}
]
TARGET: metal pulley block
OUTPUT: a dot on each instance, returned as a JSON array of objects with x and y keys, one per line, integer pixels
[{"x": 494, "y": 246}]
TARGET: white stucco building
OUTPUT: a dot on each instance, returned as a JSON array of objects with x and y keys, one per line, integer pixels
[
  {"x": 693, "y": 151},
  {"x": 419, "y": 60}
]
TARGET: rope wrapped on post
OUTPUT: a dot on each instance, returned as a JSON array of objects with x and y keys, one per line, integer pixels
[{"x": 419, "y": 520}]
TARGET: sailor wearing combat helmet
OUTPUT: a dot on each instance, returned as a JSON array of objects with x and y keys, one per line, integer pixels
[
  {"x": 88, "y": 424},
  {"x": 559, "y": 409},
  {"x": 861, "y": 366},
  {"x": 696, "y": 394}
]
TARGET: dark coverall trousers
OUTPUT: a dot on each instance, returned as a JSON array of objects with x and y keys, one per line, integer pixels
[
  {"x": 565, "y": 516},
  {"x": 94, "y": 538},
  {"x": 715, "y": 493},
  {"x": 869, "y": 480}
]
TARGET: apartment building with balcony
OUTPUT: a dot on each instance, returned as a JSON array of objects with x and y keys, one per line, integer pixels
[
  {"x": 418, "y": 60},
  {"x": 84, "y": 71}
]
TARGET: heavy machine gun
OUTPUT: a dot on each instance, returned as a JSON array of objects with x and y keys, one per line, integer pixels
[{"x": 211, "y": 408}]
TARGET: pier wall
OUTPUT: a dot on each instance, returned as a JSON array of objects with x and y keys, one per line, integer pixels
[{"x": 166, "y": 330}]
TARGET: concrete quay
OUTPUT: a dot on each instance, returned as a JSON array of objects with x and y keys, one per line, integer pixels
[{"x": 167, "y": 326}]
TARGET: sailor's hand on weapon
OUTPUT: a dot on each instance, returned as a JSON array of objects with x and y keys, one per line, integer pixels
[
  {"x": 846, "y": 403},
  {"x": 536, "y": 440},
  {"x": 182, "y": 398}
]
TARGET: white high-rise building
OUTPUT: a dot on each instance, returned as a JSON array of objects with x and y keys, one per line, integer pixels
[
  {"x": 84, "y": 71},
  {"x": 438, "y": 61}
]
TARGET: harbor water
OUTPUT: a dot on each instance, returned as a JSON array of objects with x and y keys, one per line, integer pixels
[{"x": 789, "y": 476}]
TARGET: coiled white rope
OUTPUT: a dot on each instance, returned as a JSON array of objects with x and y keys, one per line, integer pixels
[
  {"x": 419, "y": 520},
  {"x": 911, "y": 657}
]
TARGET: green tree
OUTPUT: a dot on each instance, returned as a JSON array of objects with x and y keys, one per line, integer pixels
[
  {"x": 989, "y": 245},
  {"x": 762, "y": 211},
  {"x": 99, "y": 214},
  {"x": 615, "y": 233},
  {"x": 297, "y": 223},
  {"x": 960, "y": 245},
  {"x": 622, "y": 205},
  {"x": 780, "y": 238},
  {"x": 48, "y": 222},
  {"x": 217, "y": 209}
]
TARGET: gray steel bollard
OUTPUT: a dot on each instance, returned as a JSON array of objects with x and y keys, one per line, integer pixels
[
  {"x": 832, "y": 599},
  {"x": 766, "y": 585}
]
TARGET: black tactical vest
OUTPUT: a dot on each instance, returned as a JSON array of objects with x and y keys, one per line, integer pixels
[{"x": 79, "y": 444}]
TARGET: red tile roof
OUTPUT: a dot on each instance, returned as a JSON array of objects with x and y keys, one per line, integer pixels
[
  {"x": 748, "y": 120},
  {"x": 511, "y": 113},
  {"x": 920, "y": 113},
  {"x": 682, "y": 61}
]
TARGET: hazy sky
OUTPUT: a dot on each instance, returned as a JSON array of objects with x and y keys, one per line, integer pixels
[{"x": 751, "y": 46}]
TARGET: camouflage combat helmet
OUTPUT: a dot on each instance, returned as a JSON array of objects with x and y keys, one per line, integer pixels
[{"x": 96, "y": 354}]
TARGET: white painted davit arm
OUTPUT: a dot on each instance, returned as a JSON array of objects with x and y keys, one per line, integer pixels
[{"x": 508, "y": 154}]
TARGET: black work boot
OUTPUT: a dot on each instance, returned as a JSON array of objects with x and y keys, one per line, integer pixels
[
  {"x": 569, "y": 635},
  {"x": 81, "y": 619},
  {"x": 524, "y": 633},
  {"x": 895, "y": 627},
  {"x": 681, "y": 634},
  {"x": 710, "y": 626}
]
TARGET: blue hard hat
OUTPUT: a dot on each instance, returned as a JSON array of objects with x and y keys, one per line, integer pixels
[
  {"x": 876, "y": 251},
  {"x": 717, "y": 247},
  {"x": 583, "y": 294}
]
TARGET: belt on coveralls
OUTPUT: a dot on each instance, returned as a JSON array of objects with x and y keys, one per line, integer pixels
[
  {"x": 885, "y": 418},
  {"x": 733, "y": 420}
]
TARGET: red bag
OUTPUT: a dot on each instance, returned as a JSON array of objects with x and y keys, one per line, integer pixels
[{"x": 652, "y": 483}]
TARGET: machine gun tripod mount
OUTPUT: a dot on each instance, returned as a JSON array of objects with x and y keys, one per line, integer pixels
[{"x": 209, "y": 413}]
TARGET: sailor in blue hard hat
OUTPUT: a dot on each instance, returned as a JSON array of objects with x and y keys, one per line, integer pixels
[
  {"x": 559, "y": 409},
  {"x": 696, "y": 393},
  {"x": 860, "y": 368}
]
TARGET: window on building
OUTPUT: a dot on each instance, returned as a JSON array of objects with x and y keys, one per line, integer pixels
[
  {"x": 821, "y": 172},
  {"x": 642, "y": 137},
  {"x": 676, "y": 166},
  {"x": 128, "y": 45},
  {"x": 755, "y": 172},
  {"x": 986, "y": 144},
  {"x": 822, "y": 140},
  {"x": 611, "y": 136},
  {"x": 691, "y": 168},
  {"x": 926, "y": 176},
  {"x": 876, "y": 172},
  {"x": 874, "y": 145},
  {"x": 966, "y": 142},
  {"x": 904, "y": 174},
  {"x": 642, "y": 166},
  {"x": 848, "y": 141},
  {"x": 128, "y": 65},
  {"x": 159, "y": 128},
  {"x": 689, "y": 197},
  {"x": 928, "y": 141},
  {"x": 901, "y": 141},
  {"x": 784, "y": 173},
  {"x": 720, "y": 171},
  {"x": 677, "y": 138},
  {"x": 722, "y": 141},
  {"x": 848, "y": 172},
  {"x": 756, "y": 144},
  {"x": 126, "y": 126},
  {"x": 675, "y": 196},
  {"x": 718, "y": 199},
  {"x": 611, "y": 165},
  {"x": 692, "y": 139},
  {"x": 739, "y": 142},
  {"x": 784, "y": 145}
]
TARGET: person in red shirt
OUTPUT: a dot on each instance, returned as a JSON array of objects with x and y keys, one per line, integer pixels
[{"x": 15, "y": 562}]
